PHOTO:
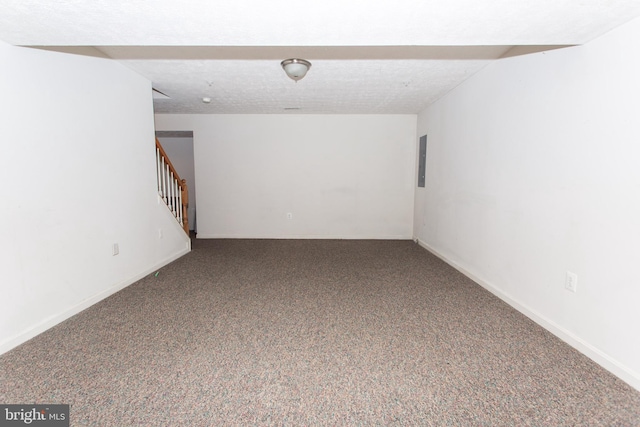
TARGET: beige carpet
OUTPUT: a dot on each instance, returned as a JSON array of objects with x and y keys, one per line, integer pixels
[{"x": 323, "y": 332}]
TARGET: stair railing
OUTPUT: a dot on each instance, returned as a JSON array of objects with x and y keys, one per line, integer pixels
[{"x": 171, "y": 189}]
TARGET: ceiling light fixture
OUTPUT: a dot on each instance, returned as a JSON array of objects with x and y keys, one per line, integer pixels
[
  {"x": 206, "y": 100},
  {"x": 296, "y": 68}
]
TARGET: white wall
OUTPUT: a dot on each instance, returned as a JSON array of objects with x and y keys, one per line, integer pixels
[
  {"x": 180, "y": 152},
  {"x": 77, "y": 153},
  {"x": 340, "y": 176},
  {"x": 533, "y": 169}
]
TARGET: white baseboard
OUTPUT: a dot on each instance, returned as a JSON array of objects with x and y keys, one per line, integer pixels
[
  {"x": 301, "y": 237},
  {"x": 607, "y": 362},
  {"x": 83, "y": 305}
]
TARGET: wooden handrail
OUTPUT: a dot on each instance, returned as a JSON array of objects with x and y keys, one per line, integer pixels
[
  {"x": 164, "y": 154},
  {"x": 184, "y": 194}
]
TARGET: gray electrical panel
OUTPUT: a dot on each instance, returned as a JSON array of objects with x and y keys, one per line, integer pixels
[{"x": 422, "y": 160}]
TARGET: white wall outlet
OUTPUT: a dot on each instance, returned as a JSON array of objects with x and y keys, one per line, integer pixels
[
  {"x": 571, "y": 282},
  {"x": 115, "y": 250},
  {"x": 289, "y": 215},
  {"x": 160, "y": 233}
]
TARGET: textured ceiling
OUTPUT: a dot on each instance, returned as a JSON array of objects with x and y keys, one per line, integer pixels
[{"x": 368, "y": 57}]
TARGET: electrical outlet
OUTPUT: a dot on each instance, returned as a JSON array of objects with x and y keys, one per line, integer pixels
[
  {"x": 160, "y": 233},
  {"x": 289, "y": 215},
  {"x": 115, "y": 249},
  {"x": 571, "y": 282}
]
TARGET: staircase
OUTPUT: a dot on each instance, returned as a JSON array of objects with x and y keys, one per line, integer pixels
[{"x": 171, "y": 188}]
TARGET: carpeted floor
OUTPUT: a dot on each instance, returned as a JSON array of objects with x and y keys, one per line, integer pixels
[{"x": 321, "y": 332}]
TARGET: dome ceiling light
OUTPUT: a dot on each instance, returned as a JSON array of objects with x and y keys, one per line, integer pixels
[{"x": 296, "y": 68}]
